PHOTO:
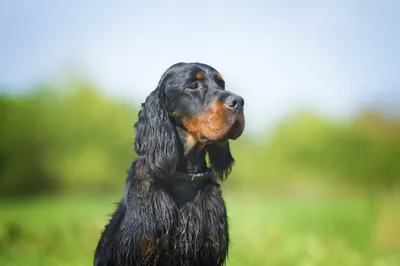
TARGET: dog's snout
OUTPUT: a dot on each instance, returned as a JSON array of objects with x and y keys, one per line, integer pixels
[{"x": 234, "y": 102}]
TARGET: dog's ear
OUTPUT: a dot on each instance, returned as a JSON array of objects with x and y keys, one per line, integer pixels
[
  {"x": 156, "y": 141},
  {"x": 221, "y": 159}
]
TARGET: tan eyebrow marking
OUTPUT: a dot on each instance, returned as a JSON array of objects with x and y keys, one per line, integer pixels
[
  {"x": 219, "y": 76},
  {"x": 199, "y": 75}
]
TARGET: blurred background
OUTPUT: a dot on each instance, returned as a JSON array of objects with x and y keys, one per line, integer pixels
[{"x": 317, "y": 172}]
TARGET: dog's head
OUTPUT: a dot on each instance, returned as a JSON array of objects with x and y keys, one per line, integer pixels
[{"x": 191, "y": 96}]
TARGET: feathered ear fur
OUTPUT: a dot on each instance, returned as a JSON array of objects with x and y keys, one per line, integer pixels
[
  {"x": 221, "y": 159},
  {"x": 156, "y": 140}
]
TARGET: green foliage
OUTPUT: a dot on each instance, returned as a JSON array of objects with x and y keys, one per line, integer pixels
[
  {"x": 66, "y": 138},
  {"x": 361, "y": 152},
  {"x": 74, "y": 139}
]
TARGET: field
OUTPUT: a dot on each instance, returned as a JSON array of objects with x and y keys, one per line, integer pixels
[{"x": 265, "y": 230}]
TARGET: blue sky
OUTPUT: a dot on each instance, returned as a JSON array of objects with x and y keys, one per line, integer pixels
[{"x": 333, "y": 56}]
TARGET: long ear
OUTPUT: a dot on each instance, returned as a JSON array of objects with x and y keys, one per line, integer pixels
[
  {"x": 221, "y": 159},
  {"x": 156, "y": 141}
]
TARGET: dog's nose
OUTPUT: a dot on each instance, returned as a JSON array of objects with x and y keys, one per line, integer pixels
[{"x": 234, "y": 102}]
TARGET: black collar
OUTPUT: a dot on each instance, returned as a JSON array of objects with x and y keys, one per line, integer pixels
[{"x": 194, "y": 177}]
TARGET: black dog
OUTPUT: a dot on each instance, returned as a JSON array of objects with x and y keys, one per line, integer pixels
[{"x": 173, "y": 212}]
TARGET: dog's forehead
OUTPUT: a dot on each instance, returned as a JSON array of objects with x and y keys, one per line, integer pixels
[
  {"x": 180, "y": 75},
  {"x": 207, "y": 69},
  {"x": 191, "y": 68}
]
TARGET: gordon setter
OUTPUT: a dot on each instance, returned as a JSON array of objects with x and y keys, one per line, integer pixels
[{"x": 172, "y": 211}]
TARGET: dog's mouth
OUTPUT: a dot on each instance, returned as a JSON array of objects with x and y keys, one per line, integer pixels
[
  {"x": 237, "y": 127},
  {"x": 235, "y": 124}
]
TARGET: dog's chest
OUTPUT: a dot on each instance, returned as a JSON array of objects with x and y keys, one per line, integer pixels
[{"x": 198, "y": 234}]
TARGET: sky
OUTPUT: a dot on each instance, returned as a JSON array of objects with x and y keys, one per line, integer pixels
[{"x": 332, "y": 56}]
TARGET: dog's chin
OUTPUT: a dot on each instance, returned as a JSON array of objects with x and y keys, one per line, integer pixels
[{"x": 233, "y": 132}]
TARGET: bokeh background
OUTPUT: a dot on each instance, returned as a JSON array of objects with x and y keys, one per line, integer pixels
[{"x": 317, "y": 172}]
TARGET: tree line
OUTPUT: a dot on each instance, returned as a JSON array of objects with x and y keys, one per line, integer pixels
[{"x": 75, "y": 139}]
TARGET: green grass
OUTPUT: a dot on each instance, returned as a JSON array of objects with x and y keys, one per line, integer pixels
[{"x": 264, "y": 230}]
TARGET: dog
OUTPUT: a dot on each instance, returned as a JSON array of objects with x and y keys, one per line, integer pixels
[{"x": 172, "y": 211}]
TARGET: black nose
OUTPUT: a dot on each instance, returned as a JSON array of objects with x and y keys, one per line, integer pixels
[{"x": 234, "y": 102}]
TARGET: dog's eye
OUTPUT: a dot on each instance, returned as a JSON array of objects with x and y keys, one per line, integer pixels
[{"x": 194, "y": 86}]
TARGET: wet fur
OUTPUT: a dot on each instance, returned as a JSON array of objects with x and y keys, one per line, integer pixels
[{"x": 164, "y": 221}]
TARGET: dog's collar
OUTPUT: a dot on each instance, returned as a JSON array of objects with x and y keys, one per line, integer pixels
[{"x": 194, "y": 177}]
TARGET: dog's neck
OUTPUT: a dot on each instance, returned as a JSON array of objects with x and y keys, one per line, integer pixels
[{"x": 193, "y": 159}]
